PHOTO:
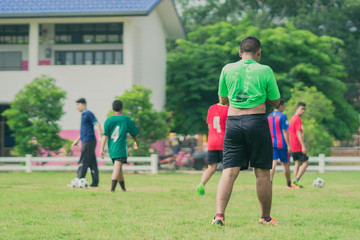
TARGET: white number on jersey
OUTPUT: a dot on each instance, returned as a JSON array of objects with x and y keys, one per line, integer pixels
[
  {"x": 115, "y": 134},
  {"x": 216, "y": 124}
]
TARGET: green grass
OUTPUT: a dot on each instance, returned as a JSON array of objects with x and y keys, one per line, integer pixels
[{"x": 165, "y": 206}]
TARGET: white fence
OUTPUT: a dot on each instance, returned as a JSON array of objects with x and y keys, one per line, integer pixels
[
  {"x": 341, "y": 164},
  {"x": 65, "y": 161}
]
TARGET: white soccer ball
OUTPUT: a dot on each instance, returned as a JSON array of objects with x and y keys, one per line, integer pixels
[
  {"x": 319, "y": 182},
  {"x": 83, "y": 183},
  {"x": 74, "y": 182}
]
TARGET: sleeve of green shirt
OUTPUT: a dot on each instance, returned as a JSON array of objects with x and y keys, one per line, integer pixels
[
  {"x": 273, "y": 92},
  {"x": 132, "y": 128},
  {"x": 223, "y": 91}
]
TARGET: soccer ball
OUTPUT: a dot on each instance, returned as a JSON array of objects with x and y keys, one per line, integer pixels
[
  {"x": 83, "y": 183},
  {"x": 74, "y": 182},
  {"x": 319, "y": 182}
]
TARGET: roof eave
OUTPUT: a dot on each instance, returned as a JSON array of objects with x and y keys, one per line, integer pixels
[
  {"x": 181, "y": 33},
  {"x": 82, "y": 14}
]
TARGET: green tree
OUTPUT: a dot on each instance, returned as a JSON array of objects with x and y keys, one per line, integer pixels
[
  {"x": 319, "y": 111},
  {"x": 152, "y": 125},
  {"x": 193, "y": 70},
  {"x": 301, "y": 58},
  {"x": 33, "y": 116},
  {"x": 336, "y": 18},
  {"x": 298, "y": 58}
]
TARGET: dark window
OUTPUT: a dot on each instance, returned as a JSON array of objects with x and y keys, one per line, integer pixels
[
  {"x": 88, "y": 58},
  {"x": 76, "y": 38},
  {"x": 96, "y": 57},
  {"x": 69, "y": 58},
  {"x": 79, "y": 58},
  {"x": 88, "y": 28},
  {"x": 115, "y": 27},
  {"x": 61, "y": 28},
  {"x": 59, "y": 56},
  {"x": 101, "y": 27},
  {"x": 14, "y": 34},
  {"x": 113, "y": 38},
  {"x": 99, "y": 57},
  {"x": 88, "y": 33},
  {"x": 109, "y": 57},
  {"x": 88, "y": 38},
  {"x": 74, "y": 27},
  {"x": 118, "y": 57},
  {"x": 101, "y": 38},
  {"x": 10, "y": 61}
]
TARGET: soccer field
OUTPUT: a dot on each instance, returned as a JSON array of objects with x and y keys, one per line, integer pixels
[{"x": 165, "y": 206}]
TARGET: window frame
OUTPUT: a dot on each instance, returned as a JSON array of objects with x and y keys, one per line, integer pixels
[
  {"x": 60, "y": 56},
  {"x": 16, "y": 36},
  {"x": 74, "y": 33}
]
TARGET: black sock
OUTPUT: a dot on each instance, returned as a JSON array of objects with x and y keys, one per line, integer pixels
[
  {"x": 113, "y": 185},
  {"x": 122, "y": 184},
  {"x": 289, "y": 183}
]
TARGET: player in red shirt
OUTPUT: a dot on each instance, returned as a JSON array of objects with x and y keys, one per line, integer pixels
[
  {"x": 297, "y": 144},
  {"x": 216, "y": 120}
]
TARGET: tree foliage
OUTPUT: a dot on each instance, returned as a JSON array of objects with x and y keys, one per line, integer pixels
[
  {"x": 303, "y": 59},
  {"x": 152, "y": 125},
  {"x": 298, "y": 58},
  {"x": 336, "y": 18},
  {"x": 193, "y": 73},
  {"x": 33, "y": 116},
  {"x": 319, "y": 111}
]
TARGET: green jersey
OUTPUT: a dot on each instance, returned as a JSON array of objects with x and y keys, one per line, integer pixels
[
  {"x": 247, "y": 84},
  {"x": 116, "y": 128}
]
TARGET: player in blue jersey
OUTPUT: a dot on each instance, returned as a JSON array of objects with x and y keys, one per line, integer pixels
[
  {"x": 279, "y": 126},
  {"x": 88, "y": 140}
]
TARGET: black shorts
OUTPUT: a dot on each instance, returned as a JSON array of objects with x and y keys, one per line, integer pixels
[
  {"x": 122, "y": 159},
  {"x": 214, "y": 156},
  {"x": 300, "y": 156},
  {"x": 247, "y": 139}
]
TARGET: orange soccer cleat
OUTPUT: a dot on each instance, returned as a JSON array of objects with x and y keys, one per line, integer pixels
[
  {"x": 218, "y": 221},
  {"x": 271, "y": 222}
]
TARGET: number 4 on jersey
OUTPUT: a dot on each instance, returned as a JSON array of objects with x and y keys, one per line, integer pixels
[
  {"x": 115, "y": 134},
  {"x": 216, "y": 124}
]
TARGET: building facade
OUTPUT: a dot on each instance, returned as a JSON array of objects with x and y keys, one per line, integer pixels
[{"x": 95, "y": 49}]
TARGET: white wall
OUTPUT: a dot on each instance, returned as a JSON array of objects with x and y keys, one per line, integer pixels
[{"x": 151, "y": 57}]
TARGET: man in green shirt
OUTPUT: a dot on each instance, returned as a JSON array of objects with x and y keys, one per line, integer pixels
[
  {"x": 245, "y": 86},
  {"x": 116, "y": 128}
]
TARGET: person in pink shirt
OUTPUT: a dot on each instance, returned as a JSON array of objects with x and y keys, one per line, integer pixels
[
  {"x": 297, "y": 144},
  {"x": 216, "y": 120}
]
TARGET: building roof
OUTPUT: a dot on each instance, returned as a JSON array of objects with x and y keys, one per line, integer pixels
[
  {"x": 13, "y": 9},
  {"x": 61, "y": 8}
]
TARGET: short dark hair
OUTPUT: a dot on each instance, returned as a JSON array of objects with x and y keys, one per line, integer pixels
[
  {"x": 301, "y": 104},
  {"x": 81, "y": 100},
  {"x": 282, "y": 102},
  {"x": 250, "y": 44},
  {"x": 117, "y": 105}
]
